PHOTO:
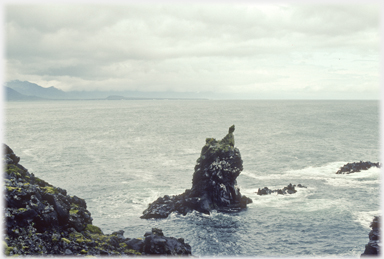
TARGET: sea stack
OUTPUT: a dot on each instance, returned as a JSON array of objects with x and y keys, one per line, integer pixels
[{"x": 214, "y": 185}]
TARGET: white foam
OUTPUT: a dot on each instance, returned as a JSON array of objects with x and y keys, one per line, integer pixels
[
  {"x": 309, "y": 172},
  {"x": 316, "y": 172},
  {"x": 326, "y": 172},
  {"x": 298, "y": 203},
  {"x": 364, "y": 218},
  {"x": 365, "y": 177},
  {"x": 261, "y": 176},
  {"x": 277, "y": 200}
]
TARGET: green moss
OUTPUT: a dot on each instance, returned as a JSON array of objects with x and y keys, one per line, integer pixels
[
  {"x": 83, "y": 251},
  {"x": 99, "y": 238},
  {"x": 210, "y": 141},
  {"x": 21, "y": 210},
  {"x": 131, "y": 251},
  {"x": 66, "y": 240},
  {"x": 7, "y": 249},
  {"x": 78, "y": 237},
  {"x": 75, "y": 235},
  {"x": 73, "y": 211},
  {"x": 82, "y": 240},
  {"x": 93, "y": 229},
  {"x": 50, "y": 189},
  {"x": 14, "y": 171},
  {"x": 10, "y": 189},
  {"x": 123, "y": 245}
]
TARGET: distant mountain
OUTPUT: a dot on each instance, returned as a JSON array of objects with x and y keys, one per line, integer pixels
[
  {"x": 31, "y": 89},
  {"x": 12, "y": 95}
]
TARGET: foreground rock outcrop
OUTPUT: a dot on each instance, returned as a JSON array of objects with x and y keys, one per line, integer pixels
[
  {"x": 214, "y": 185},
  {"x": 356, "y": 167},
  {"x": 373, "y": 246},
  {"x": 42, "y": 219},
  {"x": 290, "y": 189}
]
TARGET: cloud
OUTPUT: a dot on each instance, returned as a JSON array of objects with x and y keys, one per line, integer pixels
[{"x": 215, "y": 47}]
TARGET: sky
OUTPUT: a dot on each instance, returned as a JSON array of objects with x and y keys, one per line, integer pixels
[{"x": 232, "y": 49}]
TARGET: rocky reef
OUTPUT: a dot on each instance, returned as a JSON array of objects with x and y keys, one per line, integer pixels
[
  {"x": 41, "y": 219},
  {"x": 373, "y": 246},
  {"x": 356, "y": 167},
  {"x": 214, "y": 185},
  {"x": 289, "y": 189}
]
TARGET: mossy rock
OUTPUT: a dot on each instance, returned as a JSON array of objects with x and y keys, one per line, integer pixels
[
  {"x": 131, "y": 251},
  {"x": 7, "y": 249},
  {"x": 73, "y": 212},
  {"x": 83, "y": 240},
  {"x": 10, "y": 189},
  {"x": 21, "y": 210},
  {"x": 123, "y": 245},
  {"x": 50, "y": 189},
  {"x": 66, "y": 240},
  {"x": 101, "y": 238},
  {"x": 75, "y": 235},
  {"x": 74, "y": 205},
  {"x": 93, "y": 229},
  {"x": 14, "y": 171}
]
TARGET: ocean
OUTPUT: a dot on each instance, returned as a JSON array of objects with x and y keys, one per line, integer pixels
[{"x": 122, "y": 155}]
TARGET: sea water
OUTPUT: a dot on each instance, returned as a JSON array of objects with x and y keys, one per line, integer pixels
[{"x": 121, "y": 155}]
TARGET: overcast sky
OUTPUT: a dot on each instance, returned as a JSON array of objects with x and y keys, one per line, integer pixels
[{"x": 249, "y": 50}]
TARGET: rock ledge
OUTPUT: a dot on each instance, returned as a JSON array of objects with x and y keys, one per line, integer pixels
[
  {"x": 356, "y": 167},
  {"x": 41, "y": 219}
]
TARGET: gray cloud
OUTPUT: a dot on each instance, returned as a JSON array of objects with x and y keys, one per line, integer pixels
[{"x": 216, "y": 47}]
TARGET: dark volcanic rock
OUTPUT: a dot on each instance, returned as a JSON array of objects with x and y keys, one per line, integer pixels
[
  {"x": 356, "y": 167},
  {"x": 373, "y": 246},
  {"x": 156, "y": 243},
  {"x": 214, "y": 185},
  {"x": 290, "y": 189},
  {"x": 43, "y": 219}
]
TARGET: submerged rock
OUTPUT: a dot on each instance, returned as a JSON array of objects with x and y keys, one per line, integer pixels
[
  {"x": 356, "y": 167},
  {"x": 42, "y": 219},
  {"x": 373, "y": 246},
  {"x": 290, "y": 189},
  {"x": 214, "y": 185}
]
